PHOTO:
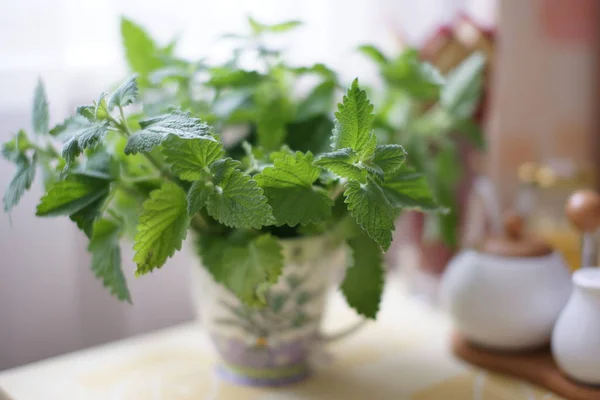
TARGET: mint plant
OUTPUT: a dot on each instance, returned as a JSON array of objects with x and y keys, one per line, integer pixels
[
  {"x": 155, "y": 174},
  {"x": 425, "y": 111},
  {"x": 255, "y": 90}
]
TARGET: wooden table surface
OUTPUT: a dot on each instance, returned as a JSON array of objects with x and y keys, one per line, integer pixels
[{"x": 404, "y": 355}]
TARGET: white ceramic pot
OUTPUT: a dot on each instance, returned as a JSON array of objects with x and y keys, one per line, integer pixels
[
  {"x": 576, "y": 336},
  {"x": 505, "y": 303}
]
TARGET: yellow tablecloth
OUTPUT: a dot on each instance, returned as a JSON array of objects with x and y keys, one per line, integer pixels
[{"x": 404, "y": 355}]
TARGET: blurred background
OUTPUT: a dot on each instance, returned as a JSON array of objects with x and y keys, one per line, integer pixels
[{"x": 539, "y": 113}]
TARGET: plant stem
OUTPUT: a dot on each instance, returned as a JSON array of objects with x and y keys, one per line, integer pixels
[
  {"x": 49, "y": 150},
  {"x": 199, "y": 223},
  {"x": 129, "y": 191},
  {"x": 337, "y": 191},
  {"x": 124, "y": 129},
  {"x": 116, "y": 123},
  {"x": 111, "y": 195},
  {"x": 157, "y": 164},
  {"x": 140, "y": 178},
  {"x": 124, "y": 122}
]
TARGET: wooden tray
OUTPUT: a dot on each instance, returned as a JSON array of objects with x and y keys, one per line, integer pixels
[{"x": 536, "y": 367}]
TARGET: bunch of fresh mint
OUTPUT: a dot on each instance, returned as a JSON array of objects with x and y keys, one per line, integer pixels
[
  {"x": 160, "y": 176},
  {"x": 143, "y": 162},
  {"x": 425, "y": 111}
]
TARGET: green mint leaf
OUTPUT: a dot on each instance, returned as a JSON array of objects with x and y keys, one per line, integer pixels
[
  {"x": 59, "y": 130},
  {"x": 156, "y": 130},
  {"x": 162, "y": 227},
  {"x": 126, "y": 208},
  {"x": 353, "y": 122},
  {"x": 169, "y": 49},
  {"x": 259, "y": 28},
  {"x": 237, "y": 201},
  {"x": 21, "y": 181},
  {"x": 284, "y": 26},
  {"x": 319, "y": 101},
  {"x": 174, "y": 73},
  {"x": 99, "y": 164},
  {"x": 317, "y": 69},
  {"x": 250, "y": 270},
  {"x": 252, "y": 157},
  {"x": 472, "y": 131},
  {"x": 460, "y": 96},
  {"x": 100, "y": 107},
  {"x": 448, "y": 226},
  {"x": 409, "y": 189},
  {"x": 446, "y": 173},
  {"x": 125, "y": 94},
  {"x": 290, "y": 171},
  {"x": 373, "y": 53},
  {"x": 71, "y": 195},
  {"x": 312, "y": 135},
  {"x": 93, "y": 113},
  {"x": 106, "y": 258},
  {"x": 211, "y": 249},
  {"x": 389, "y": 157},
  {"x": 40, "y": 110},
  {"x": 288, "y": 186},
  {"x": 436, "y": 122},
  {"x": 223, "y": 77},
  {"x": 140, "y": 49},
  {"x": 344, "y": 163},
  {"x": 372, "y": 210},
  {"x": 83, "y": 134},
  {"x": 414, "y": 77},
  {"x": 86, "y": 217},
  {"x": 272, "y": 117},
  {"x": 15, "y": 148},
  {"x": 283, "y": 152},
  {"x": 198, "y": 196},
  {"x": 87, "y": 112},
  {"x": 363, "y": 284},
  {"x": 189, "y": 157}
]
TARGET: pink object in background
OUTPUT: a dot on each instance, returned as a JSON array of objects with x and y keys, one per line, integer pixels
[
  {"x": 544, "y": 106},
  {"x": 569, "y": 22},
  {"x": 446, "y": 49}
]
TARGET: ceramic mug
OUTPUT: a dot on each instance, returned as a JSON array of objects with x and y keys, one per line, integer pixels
[{"x": 272, "y": 345}]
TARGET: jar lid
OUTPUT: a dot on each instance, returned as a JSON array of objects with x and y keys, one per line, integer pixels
[{"x": 514, "y": 242}]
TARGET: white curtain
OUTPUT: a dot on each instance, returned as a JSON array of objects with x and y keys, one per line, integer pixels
[{"x": 49, "y": 301}]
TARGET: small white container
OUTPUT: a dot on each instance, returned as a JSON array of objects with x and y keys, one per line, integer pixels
[
  {"x": 509, "y": 294},
  {"x": 506, "y": 303},
  {"x": 576, "y": 336}
]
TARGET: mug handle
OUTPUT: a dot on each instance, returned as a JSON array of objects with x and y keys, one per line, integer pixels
[{"x": 342, "y": 333}]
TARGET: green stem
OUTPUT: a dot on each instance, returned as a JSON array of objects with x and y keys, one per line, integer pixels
[
  {"x": 337, "y": 191},
  {"x": 124, "y": 129},
  {"x": 116, "y": 123},
  {"x": 129, "y": 191},
  {"x": 111, "y": 195},
  {"x": 49, "y": 150},
  {"x": 140, "y": 179},
  {"x": 124, "y": 122},
  {"x": 158, "y": 165},
  {"x": 198, "y": 223}
]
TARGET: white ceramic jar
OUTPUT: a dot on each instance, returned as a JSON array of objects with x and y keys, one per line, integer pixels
[
  {"x": 576, "y": 336},
  {"x": 506, "y": 302}
]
